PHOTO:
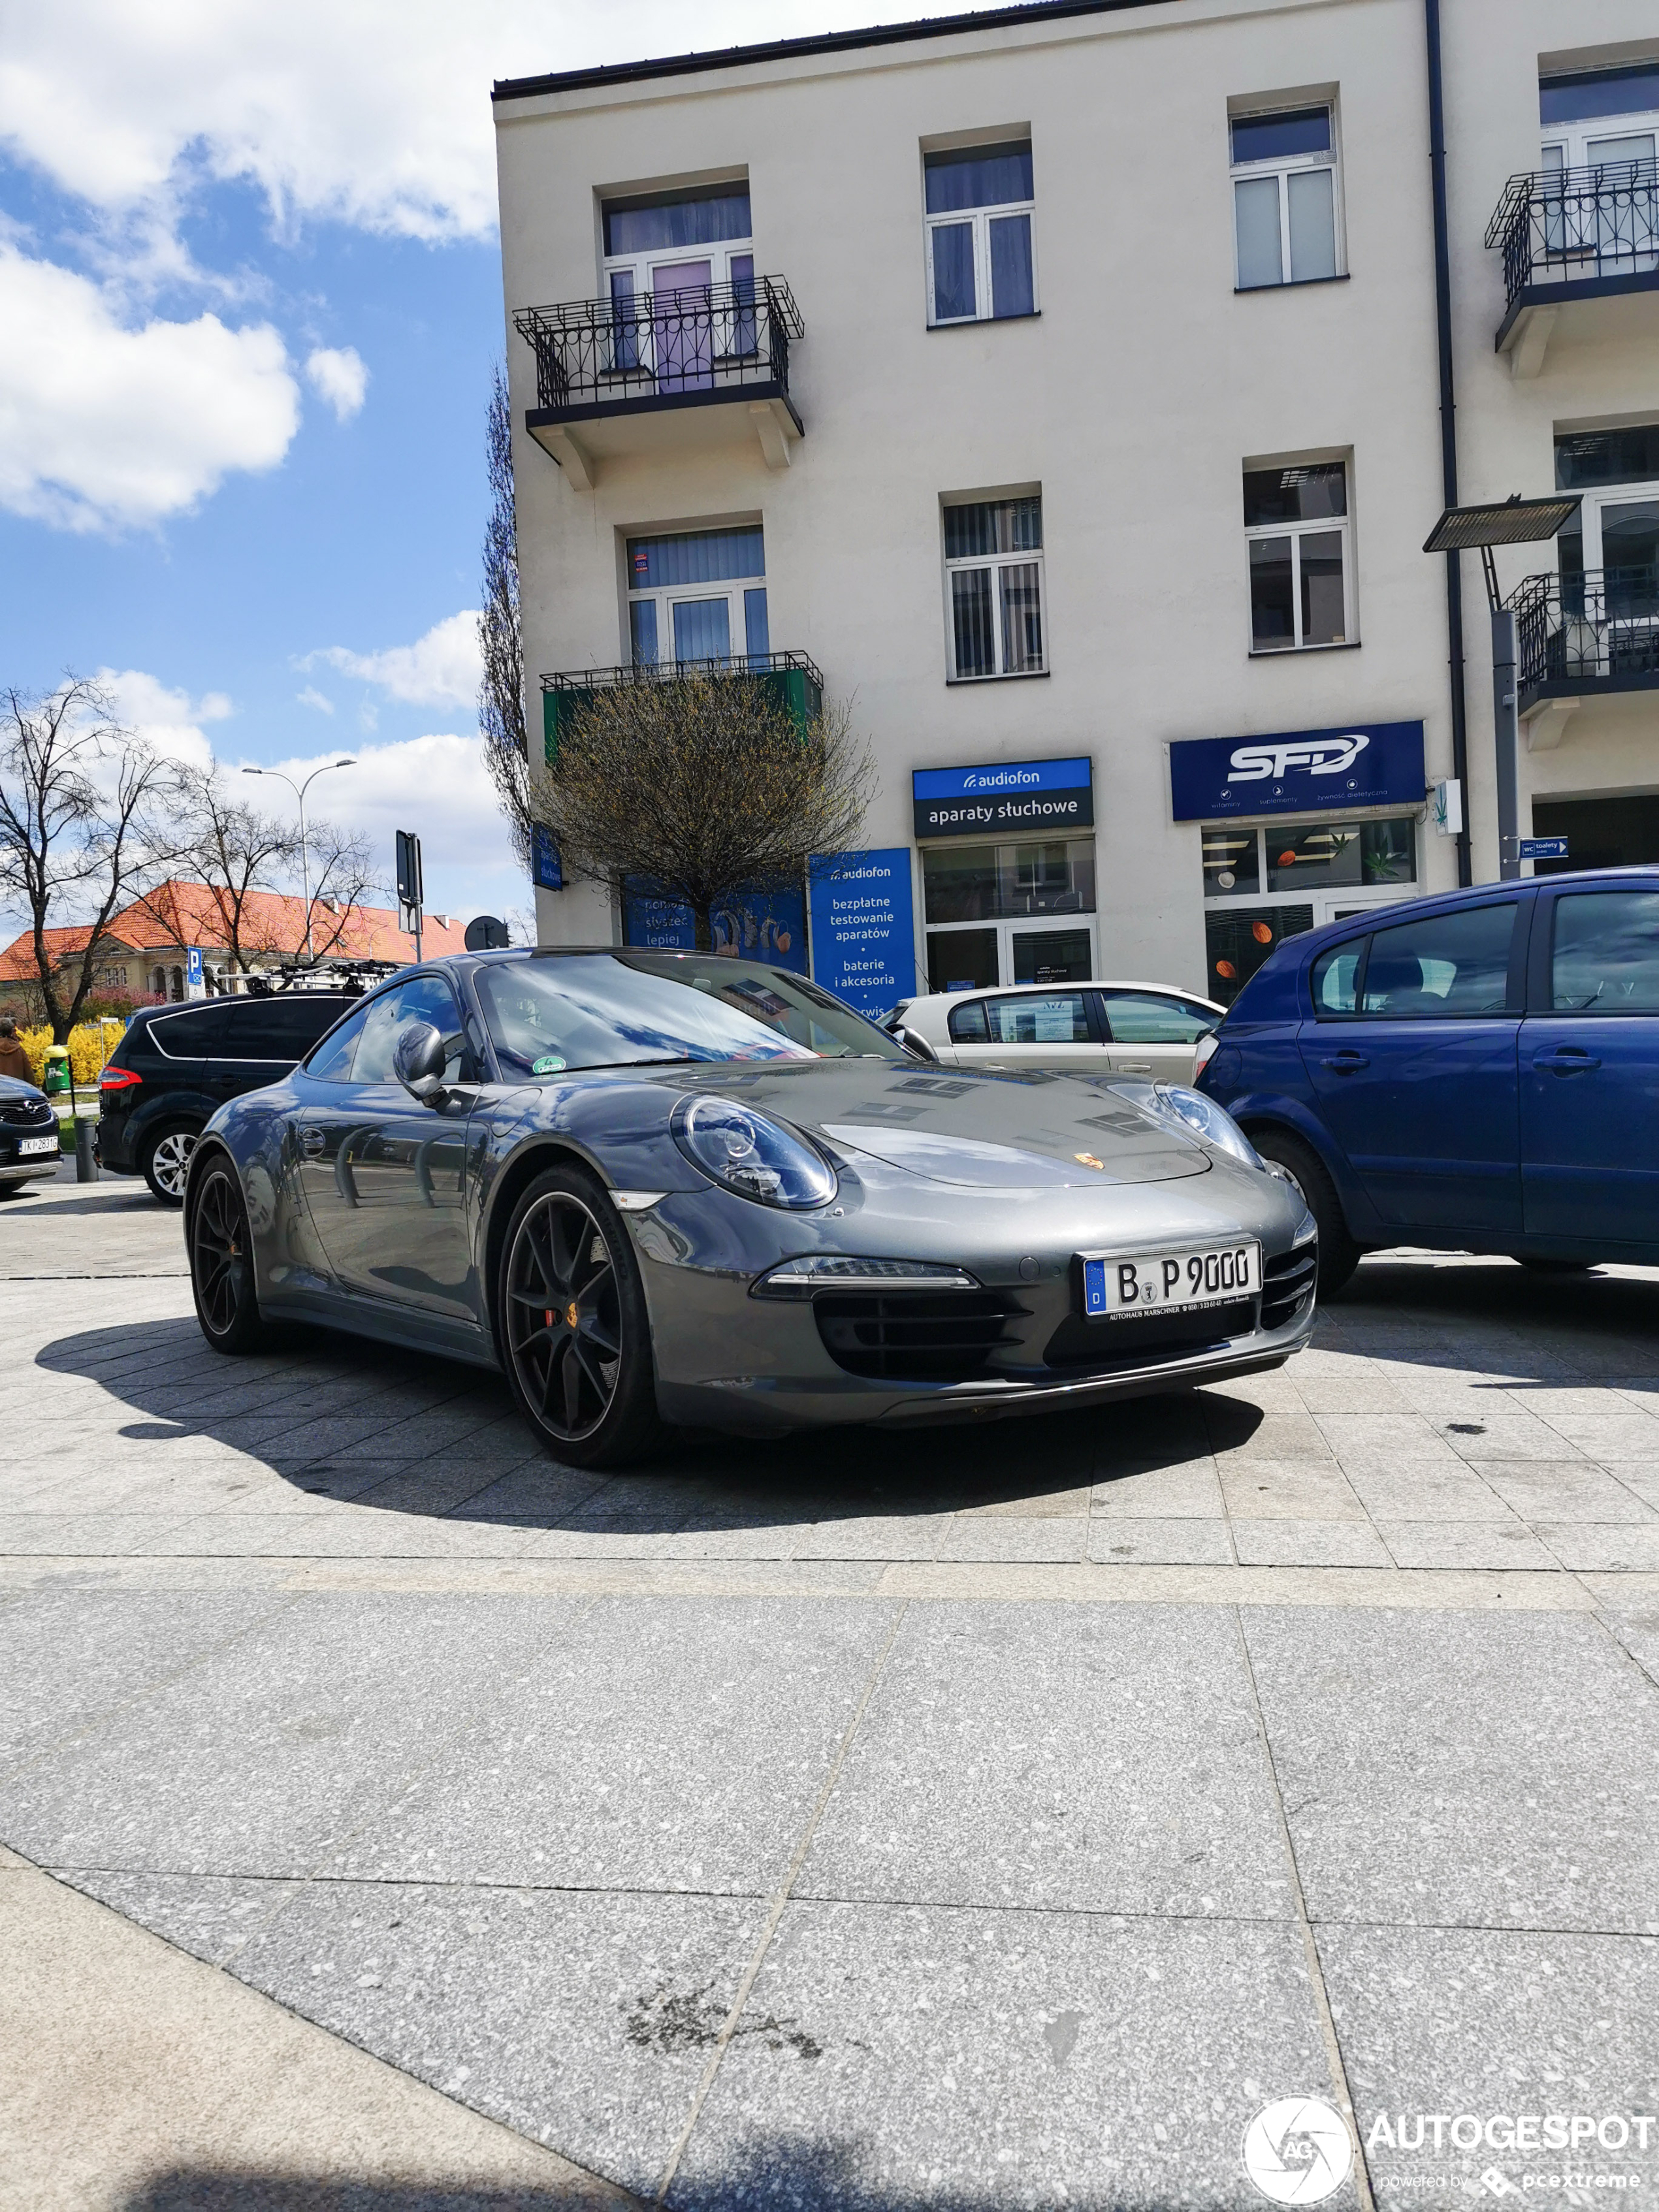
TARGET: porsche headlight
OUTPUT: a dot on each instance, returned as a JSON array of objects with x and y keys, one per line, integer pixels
[
  {"x": 1192, "y": 1113},
  {"x": 747, "y": 1152}
]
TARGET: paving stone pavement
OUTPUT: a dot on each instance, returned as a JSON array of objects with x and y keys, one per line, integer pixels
[{"x": 973, "y": 1819}]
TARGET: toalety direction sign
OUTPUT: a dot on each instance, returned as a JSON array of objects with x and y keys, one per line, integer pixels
[
  {"x": 864, "y": 938},
  {"x": 1298, "y": 772},
  {"x": 1000, "y": 796}
]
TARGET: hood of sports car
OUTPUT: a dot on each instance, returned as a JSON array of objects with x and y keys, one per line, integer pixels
[{"x": 1014, "y": 1130}]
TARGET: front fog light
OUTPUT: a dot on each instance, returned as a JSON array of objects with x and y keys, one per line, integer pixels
[{"x": 838, "y": 1271}]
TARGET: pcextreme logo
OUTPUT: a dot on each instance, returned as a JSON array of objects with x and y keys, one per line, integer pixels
[{"x": 1313, "y": 755}]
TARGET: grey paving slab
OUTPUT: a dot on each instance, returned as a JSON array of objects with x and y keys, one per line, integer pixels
[
  {"x": 89, "y": 1535},
  {"x": 1176, "y": 1542},
  {"x": 69, "y": 1656},
  {"x": 1190, "y": 1491},
  {"x": 681, "y": 1744},
  {"x": 1632, "y": 1616},
  {"x": 892, "y": 2057},
  {"x": 1084, "y": 1758},
  {"x": 210, "y": 1916},
  {"x": 1564, "y": 1490},
  {"x": 538, "y": 1486},
  {"x": 1284, "y": 1437},
  {"x": 1457, "y": 1767},
  {"x": 1309, "y": 1544},
  {"x": 1384, "y": 1439},
  {"x": 1611, "y": 1435},
  {"x": 298, "y": 1536},
  {"x": 1055, "y": 1504},
  {"x": 1452, "y": 1544},
  {"x": 1615, "y": 1547},
  {"x": 1287, "y": 1490},
  {"x": 1453, "y": 2021},
  {"x": 1428, "y": 1491},
  {"x": 1040, "y": 1537},
  {"x": 268, "y": 1754},
  {"x": 1505, "y": 1437},
  {"x": 884, "y": 1536}
]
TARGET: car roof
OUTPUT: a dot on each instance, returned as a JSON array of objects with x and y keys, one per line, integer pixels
[
  {"x": 1391, "y": 911},
  {"x": 932, "y": 999}
]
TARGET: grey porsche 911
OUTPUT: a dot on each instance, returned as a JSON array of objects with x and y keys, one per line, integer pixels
[{"x": 663, "y": 1188}]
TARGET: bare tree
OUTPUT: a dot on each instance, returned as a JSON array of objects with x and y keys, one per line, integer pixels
[
  {"x": 500, "y": 642},
  {"x": 88, "y": 823},
  {"x": 233, "y": 851},
  {"x": 702, "y": 787},
  {"x": 342, "y": 874}
]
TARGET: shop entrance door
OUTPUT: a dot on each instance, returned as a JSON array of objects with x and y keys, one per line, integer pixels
[{"x": 1004, "y": 952}]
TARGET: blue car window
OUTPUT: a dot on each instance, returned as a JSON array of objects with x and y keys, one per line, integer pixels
[
  {"x": 1451, "y": 966},
  {"x": 1335, "y": 974},
  {"x": 426, "y": 999},
  {"x": 1605, "y": 956},
  {"x": 331, "y": 1061}
]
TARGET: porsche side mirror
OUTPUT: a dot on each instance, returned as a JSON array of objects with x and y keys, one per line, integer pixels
[{"x": 417, "y": 1061}]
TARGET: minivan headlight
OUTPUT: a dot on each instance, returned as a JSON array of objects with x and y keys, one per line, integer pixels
[
  {"x": 747, "y": 1152},
  {"x": 1193, "y": 1114}
]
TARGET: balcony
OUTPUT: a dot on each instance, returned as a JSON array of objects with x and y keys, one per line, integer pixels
[
  {"x": 663, "y": 369},
  {"x": 1571, "y": 237},
  {"x": 794, "y": 681},
  {"x": 1587, "y": 635}
]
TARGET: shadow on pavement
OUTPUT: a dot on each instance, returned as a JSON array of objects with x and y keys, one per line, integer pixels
[
  {"x": 185, "y": 2190},
  {"x": 1518, "y": 1326}
]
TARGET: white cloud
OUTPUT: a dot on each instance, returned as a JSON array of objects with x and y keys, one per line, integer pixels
[
  {"x": 438, "y": 786},
  {"x": 441, "y": 668},
  {"x": 376, "y": 114},
  {"x": 311, "y": 696},
  {"x": 169, "y": 719},
  {"x": 337, "y": 374},
  {"x": 106, "y": 427}
]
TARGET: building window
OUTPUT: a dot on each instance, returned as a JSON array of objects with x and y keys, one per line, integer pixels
[
  {"x": 1286, "y": 201},
  {"x": 993, "y": 582},
  {"x": 1018, "y": 913},
  {"x": 1296, "y": 521},
  {"x": 698, "y": 596},
  {"x": 699, "y": 243},
  {"x": 982, "y": 263},
  {"x": 1616, "y": 530}
]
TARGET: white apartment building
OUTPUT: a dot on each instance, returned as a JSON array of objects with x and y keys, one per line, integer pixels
[{"x": 1063, "y": 386}]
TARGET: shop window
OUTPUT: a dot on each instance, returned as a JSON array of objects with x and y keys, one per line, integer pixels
[
  {"x": 1236, "y": 944},
  {"x": 698, "y": 596},
  {"x": 993, "y": 584},
  {"x": 1296, "y": 525},
  {"x": 982, "y": 264},
  {"x": 1371, "y": 854},
  {"x": 1286, "y": 203},
  {"x": 998, "y": 913}
]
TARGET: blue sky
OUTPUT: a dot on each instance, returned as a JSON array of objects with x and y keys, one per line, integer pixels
[{"x": 250, "y": 281}]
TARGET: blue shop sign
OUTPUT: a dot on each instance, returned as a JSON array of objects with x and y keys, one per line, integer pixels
[
  {"x": 1002, "y": 796},
  {"x": 548, "y": 873},
  {"x": 754, "y": 925},
  {"x": 1298, "y": 772},
  {"x": 864, "y": 937}
]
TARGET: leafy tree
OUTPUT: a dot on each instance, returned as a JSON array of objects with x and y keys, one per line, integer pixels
[
  {"x": 702, "y": 787},
  {"x": 500, "y": 641}
]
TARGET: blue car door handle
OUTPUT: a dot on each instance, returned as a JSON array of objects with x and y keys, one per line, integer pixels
[
  {"x": 1347, "y": 1063},
  {"x": 1565, "y": 1059}
]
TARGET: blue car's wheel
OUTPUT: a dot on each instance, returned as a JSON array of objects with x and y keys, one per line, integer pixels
[
  {"x": 1339, "y": 1254},
  {"x": 222, "y": 1261},
  {"x": 573, "y": 1326}
]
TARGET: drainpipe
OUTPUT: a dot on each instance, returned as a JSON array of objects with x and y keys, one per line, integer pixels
[{"x": 1448, "y": 427}]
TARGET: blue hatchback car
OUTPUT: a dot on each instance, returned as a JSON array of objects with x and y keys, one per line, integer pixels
[{"x": 1479, "y": 1071}]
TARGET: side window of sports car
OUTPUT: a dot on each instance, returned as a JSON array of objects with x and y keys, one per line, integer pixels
[
  {"x": 424, "y": 998},
  {"x": 331, "y": 1061}
]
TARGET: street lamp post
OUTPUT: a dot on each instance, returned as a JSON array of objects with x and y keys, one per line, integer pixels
[{"x": 299, "y": 791}]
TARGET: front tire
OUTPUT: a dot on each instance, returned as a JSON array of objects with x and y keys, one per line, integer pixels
[
  {"x": 575, "y": 1336},
  {"x": 165, "y": 1161},
  {"x": 222, "y": 1261},
  {"x": 1339, "y": 1254}
]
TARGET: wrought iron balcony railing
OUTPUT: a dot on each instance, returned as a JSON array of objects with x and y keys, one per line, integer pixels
[
  {"x": 1566, "y": 227},
  {"x": 1598, "y": 626},
  {"x": 666, "y": 671},
  {"x": 649, "y": 349}
]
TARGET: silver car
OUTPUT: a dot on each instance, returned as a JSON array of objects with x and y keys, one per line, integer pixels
[{"x": 663, "y": 1188}]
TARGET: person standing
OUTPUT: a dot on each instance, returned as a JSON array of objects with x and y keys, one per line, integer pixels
[{"x": 13, "y": 1060}]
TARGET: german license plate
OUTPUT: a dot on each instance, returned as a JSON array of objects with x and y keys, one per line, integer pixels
[
  {"x": 37, "y": 1144},
  {"x": 1170, "y": 1282}
]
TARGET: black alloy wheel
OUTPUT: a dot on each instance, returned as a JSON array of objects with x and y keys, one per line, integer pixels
[
  {"x": 1301, "y": 1167},
  {"x": 574, "y": 1324},
  {"x": 221, "y": 1263}
]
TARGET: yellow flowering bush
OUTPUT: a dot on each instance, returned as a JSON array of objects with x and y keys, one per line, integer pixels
[{"x": 90, "y": 1045}]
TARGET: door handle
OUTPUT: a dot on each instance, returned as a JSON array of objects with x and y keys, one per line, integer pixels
[
  {"x": 311, "y": 1142},
  {"x": 1565, "y": 1059},
  {"x": 1134, "y": 1067},
  {"x": 1347, "y": 1063}
]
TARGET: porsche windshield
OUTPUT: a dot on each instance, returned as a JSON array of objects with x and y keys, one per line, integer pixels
[{"x": 554, "y": 1016}]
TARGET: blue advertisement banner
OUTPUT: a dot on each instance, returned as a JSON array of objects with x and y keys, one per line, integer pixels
[
  {"x": 768, "y": 925},
  {"x": 864, "y": 937},
  {"x": 974, "y": 802},
  {"x": 544, "y": 857},
  {"x": 1298, "y": 772}
]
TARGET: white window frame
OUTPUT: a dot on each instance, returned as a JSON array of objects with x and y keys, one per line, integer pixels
[
  {"x": 982, "y": 219},
  {"x": 1321, "y": 526},
  {"x": 665, "y": 597},
  {"x": 718, "y": 254},
  {"x": 1282, "y": 168},
  {"x": 1605, "y": 495},
  {"x": 996, "y": 563}
]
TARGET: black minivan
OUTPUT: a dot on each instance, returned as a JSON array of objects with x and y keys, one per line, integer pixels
[{"x": 177, "y": 1065}]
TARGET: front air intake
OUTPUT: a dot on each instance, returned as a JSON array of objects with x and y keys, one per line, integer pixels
[
  {"x": 913, "y": 1336},
  {"x": 1287, "y": 1284}
]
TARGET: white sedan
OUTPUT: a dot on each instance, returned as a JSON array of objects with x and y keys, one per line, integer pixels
[{"x": 1131, "y": 1029}]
